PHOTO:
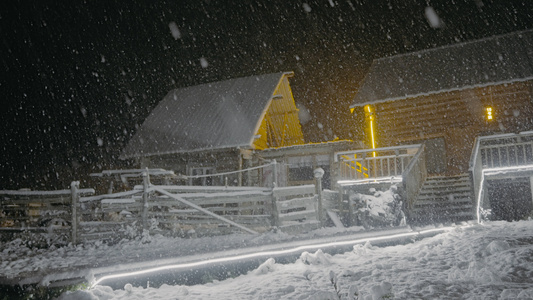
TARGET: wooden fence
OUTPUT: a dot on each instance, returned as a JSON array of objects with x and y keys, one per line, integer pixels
[
  {"x": 40, "y": 211},
  {"x": 159, "y": 209}
]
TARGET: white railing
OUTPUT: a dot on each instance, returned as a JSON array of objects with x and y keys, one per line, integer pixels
[
  {"x": 497, "y": 152},
  {"x": 506, "y": 150},
  {"x": 374, "y": 164}
]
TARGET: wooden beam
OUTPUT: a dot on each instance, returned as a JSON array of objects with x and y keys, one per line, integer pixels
[{"x": 205, "y": 211}]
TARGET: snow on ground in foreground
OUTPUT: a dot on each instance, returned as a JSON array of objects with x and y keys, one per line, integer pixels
[
  {"x": 493, "y": 260},
  {"x": 18, "y": 259}
]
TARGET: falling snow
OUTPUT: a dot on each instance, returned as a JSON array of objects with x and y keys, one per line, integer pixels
[
  {"x": 176, "y": 34},
  {"x": 433, "y": 18}
]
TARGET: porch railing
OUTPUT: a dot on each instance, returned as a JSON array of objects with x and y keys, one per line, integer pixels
[
  {"x": 499, "y": 152},
  {"x": 374, "y": 164}
]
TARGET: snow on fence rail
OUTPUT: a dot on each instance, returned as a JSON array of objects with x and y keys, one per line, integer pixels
[{"x": 171, "y": 210}]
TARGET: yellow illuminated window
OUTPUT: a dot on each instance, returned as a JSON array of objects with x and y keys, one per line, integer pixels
[{"x": 489, "y": 113}]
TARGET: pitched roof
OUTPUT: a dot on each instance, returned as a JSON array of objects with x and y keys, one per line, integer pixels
[
  {"x": 218, "y": 115},
  {"x": 495, "y": 60}
]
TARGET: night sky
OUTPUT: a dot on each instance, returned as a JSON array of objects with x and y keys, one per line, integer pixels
[{"x": 78, "y": 79}]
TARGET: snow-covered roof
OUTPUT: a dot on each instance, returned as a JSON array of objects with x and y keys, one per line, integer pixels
[
  {"x": 218, "y": 115},
  {"x": 494, "y": 60}
]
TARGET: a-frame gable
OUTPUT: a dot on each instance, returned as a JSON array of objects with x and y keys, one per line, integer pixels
[{"x": 280, "y": 125}]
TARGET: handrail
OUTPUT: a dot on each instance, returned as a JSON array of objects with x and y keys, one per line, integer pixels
[
  {"x": 414, "y": 176},
  {"x": 414, "y": 160}
]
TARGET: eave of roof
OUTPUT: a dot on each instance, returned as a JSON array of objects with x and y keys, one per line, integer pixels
[{"x": 490, "y": 61}]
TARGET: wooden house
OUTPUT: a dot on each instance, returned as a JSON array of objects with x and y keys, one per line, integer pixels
[
  {"x": 222, "y": 127},
  {"x": 445, "y": 98}
]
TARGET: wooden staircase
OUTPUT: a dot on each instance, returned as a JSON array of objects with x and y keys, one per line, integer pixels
[{"x": 443, "y": 200}]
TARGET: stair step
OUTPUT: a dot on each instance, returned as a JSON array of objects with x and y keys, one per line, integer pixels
[
  {"x": 437, "y": 180},
  {"x": 444, "y": 202},
  {"x": 444, "y": 199},
  {"x": 453, "y": 177},
  {"x": 464, "y": 215},
  {"x": 446, "y": 183},
  {"x": 445, "y": 179},
  {"x": 464, "y": 190},
  {"x": 427, "y": 208}
]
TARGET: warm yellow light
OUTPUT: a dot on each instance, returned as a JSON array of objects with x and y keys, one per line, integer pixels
[
  {"x": 372, "y": 136},
  {"x": 489, "y": 113},
  {"x": 352, "y": 109}
]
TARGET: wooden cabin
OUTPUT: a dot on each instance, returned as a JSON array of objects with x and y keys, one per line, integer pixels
[
  {"x": 222, "y": 127},
  {"x": 445, "y": 97}
]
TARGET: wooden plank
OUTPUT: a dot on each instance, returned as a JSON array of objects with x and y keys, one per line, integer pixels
[
  {"x": 335, "y": 219},
  {"x": 44, "y": 194},
  {"x": 110, "y": 196},
  {"x": 205, "y": 211},
  {"x": 118, "y": 201},
  {"x": 214, "y": 201},
  {"x": 207, "y": 189},
  {"x": 293, "y": 191},
  {"x": 298, "y": 215}
]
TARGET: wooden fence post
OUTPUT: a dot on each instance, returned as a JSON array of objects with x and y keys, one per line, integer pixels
[
  {"x": 74, "y": 205},
  {"x": 275, "y": 211},
  {"x": 319, "y": 173},
  {"x": 146, "y": 185},
  {"x": 274, "y": 173}
]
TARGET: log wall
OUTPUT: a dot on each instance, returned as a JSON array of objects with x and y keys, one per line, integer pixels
[{"x": 457, "y": 117}]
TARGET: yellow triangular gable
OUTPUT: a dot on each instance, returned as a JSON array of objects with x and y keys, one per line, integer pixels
[{"x": 280, "y": 126}]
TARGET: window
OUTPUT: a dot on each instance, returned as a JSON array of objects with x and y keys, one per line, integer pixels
[
  {"x": 202, "y": 179},
  {"x": 489, "y": 113}
]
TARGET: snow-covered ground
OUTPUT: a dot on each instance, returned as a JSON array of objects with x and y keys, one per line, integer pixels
[{"x": 493, "y": 260}]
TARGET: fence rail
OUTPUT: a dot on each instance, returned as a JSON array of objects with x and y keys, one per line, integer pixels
[{"x": 172, "y": 210}]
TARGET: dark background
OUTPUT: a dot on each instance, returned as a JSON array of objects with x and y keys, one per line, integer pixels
[{"x": 79, "y": 78}]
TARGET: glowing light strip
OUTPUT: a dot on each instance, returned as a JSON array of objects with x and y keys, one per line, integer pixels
[
  {"x": 517, "y": 168},
  {"x": 265, "y": 253},
  {"x": 371, "y": 130}
]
